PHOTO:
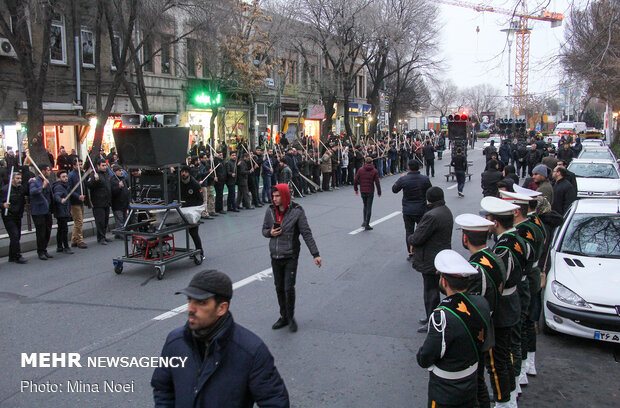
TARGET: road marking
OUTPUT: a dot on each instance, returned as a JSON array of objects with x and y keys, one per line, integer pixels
[
  {"x": 372, "y": 224},
  {"x": 451, "y": 187},
  {"x": 260, "y": 276}
]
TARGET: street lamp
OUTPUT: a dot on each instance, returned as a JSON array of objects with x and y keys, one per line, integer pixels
[{"x": 510, "y": 36}]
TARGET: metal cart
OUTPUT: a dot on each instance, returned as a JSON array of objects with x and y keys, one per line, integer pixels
[{"x": 155, "y": 236}]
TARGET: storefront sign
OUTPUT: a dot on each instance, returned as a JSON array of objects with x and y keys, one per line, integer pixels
[
  {"x": 316, "y": 112},
  {"x": 205, "y": 99},
  {"x": 359, "y": 109}
]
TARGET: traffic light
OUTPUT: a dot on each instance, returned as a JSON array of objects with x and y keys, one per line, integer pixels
[{"x": 457, "y": 126}]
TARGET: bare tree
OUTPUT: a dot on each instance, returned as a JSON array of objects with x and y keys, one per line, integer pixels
[
  {"x": 481, "y": 98},
  {"x": 34, "y": 66},
  {"x": 444, "y": 95}
]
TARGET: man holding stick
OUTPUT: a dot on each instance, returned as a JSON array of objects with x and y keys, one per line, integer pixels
[
  {"x": 13, "y": 201},
  {"x": 76, "y": 200},
  {"x": 61, "y": 191},
  {"x": 41, "y": 208},
  {"x": 101, "y": 195}
]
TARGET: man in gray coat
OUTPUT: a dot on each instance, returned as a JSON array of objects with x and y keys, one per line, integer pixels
[{"x": 433, "y": 234}]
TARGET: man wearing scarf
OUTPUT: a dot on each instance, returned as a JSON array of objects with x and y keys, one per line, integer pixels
[
  {"x": 233, "y": 366},
  {"x": 284, "y": 222}
]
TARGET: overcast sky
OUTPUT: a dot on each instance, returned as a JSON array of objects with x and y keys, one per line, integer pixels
[{"x": 473, "y": 58}]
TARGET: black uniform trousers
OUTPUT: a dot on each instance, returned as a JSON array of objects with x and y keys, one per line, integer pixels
[
  {"x": 102, "y": 217},
  {"x": 231, "y": 203},
  {"x": 410, "y": 222},
  {"x": 43, "y": 225},
  {"x": 219, "y": 196},
  {"x": 430, "y": 167},
  {"x": 62, "y": 233},
  {"x": 14, "y": 229},
  {"x": 482, "y": 392},
  {"x": 431, "y": 292},
  {"x": 499, "y": 365},
  {"x": 193, "y": 232},
  {"x": 284, "y": 276},
  {"x": 367, "y": 199},
  {"x": 519, "y": 333},
  {"x": 326, "y": 177}
]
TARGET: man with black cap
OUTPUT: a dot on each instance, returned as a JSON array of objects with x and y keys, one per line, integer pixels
[
  {"x": 120, "y": 197},
  {"x": 510, "y": 249},
  {"x": 414, "y": 186},
  {"x": 224, "y": 364},
  {"x": 433, "y": 234},
  {"x": 457, "y": 330},
  {"x": 101, "y": 197},
  {"x": 191, "y": 196},
  {"x": 284, "y": 222}
]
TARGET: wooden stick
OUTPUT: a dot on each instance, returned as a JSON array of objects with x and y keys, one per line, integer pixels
[
  {"x": 79, "y": 184},
  {"x": 8, "y": 193},
  {"x": 36, "y": 167},
  {"x": 212, "y": 170}
]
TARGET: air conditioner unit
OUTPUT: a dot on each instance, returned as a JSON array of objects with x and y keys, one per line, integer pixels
[{"x": 6, "y": 49}]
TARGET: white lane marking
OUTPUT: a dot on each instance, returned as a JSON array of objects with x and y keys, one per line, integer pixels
[
  {"x": 260, "y": 276},
  {"x": 372, "y": 224},
  {"x": 451, "y": 187}
]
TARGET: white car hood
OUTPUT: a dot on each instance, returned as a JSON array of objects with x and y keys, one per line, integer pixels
[
  {"x": 597, "y": 282},
  {"x": 598, "y": 185}
]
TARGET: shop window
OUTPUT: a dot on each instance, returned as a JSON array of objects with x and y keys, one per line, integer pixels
[
  {"x": 166, "y": 61},
  {"x": 58, "y": 45},
  {"x": 116, "y": 47},
  {"x": 88, "y": 48}
]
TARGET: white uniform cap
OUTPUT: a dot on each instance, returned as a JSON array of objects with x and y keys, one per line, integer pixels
[
  {"x": 497, "y": 206},
  {"x": 450, "y": 262},
  {"x": 526, "y": 191},
  {"x": 473, "y": 222},
  {"x": 515, "y": 198}
]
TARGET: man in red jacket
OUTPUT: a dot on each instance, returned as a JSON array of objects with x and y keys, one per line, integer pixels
[{"x": 367, "y": 177}]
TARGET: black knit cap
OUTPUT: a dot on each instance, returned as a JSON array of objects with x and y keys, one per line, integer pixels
[
  {"x": 434, "y": 194},
  {"x": 208, "y": 283}
]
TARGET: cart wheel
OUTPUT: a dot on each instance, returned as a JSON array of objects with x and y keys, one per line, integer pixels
[
  {"x": 198, "y": 259},
  {"x": 118, "y": 268},
  {"x": 160, "y": 271}
]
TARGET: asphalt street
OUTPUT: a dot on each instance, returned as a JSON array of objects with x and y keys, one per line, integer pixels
[{"x": 357, "y": 314}]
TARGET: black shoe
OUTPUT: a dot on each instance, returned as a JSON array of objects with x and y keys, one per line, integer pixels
[
  {"x": 21, "y": 260},
  {"x": 423, "y": 321},
  {"x": 208, "y": 217},
  {"x": 259, "y": 205},
  {"x": 292, "y": 326},
  {"x": 363, "y": 224},
  {"x": 42, "y": 257},
  {"x": 222, "y": 212},
  {"x": 67, "y": 251},
  {"x": 235, "y": 210},
  {"x": 59, "y": 250},
  {"x": 102, "y": 242},
  {"x": 423, "y": 329},
  {"x": 409, "y": 257},
  {"x": 280, "y": 323},
  {"x": 48, "y": 255},
  {"x": 368, "y": 228},
  {"x": 214, "y": 214},
  {"x": 108, "y": 240}
]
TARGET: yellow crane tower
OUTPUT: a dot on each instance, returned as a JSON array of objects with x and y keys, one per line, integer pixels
[{"x": 522, "y": 65}]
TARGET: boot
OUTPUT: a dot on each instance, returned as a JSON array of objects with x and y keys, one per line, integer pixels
[
  {"x": 292, "y": 325},
  {"x": 280, "y": 323},
  {"x": 522, "y": 380},
  {"x": 531, "y": 363}
]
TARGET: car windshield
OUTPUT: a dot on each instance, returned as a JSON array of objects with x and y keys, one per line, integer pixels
[
  {"x": 594, "y": 154},
  {"x": 596, "y": 235},
  {"x": 594, "y": 170}
]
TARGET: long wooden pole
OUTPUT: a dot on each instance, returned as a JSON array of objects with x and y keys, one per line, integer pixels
[
  {"x": 35, "y": 166},
  {"x": 8, "y": 193},
  {"x": 80, "y": 183}
]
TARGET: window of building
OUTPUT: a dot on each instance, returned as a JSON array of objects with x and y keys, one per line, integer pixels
[
  {"x": 313, "y": 77},
  {"x": 116, "y": 48},
  {"x": 292, "y": 72},
  {"x": 166, "y": 61},
  {"x": 88, "y": 48},
  {"x": 359, "y": 87},
  {"x": 58, "y": 46},
  {"x": 191, "y": 57},
  {"x": 147, "y": 52}
]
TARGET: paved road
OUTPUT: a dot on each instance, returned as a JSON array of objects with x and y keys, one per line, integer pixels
[{"x": 357, "y": 315}]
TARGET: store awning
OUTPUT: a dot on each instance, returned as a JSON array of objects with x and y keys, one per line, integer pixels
[{"x": 59, "y": 120}]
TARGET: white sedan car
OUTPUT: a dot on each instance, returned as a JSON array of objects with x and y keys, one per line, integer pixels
[
  {"x": 598, "y": 178},
  {"x": 497, "y": 142},
  {"x": 582, "y": 294}
]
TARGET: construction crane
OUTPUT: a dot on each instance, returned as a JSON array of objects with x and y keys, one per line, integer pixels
[{"x": 523, "y": 32}]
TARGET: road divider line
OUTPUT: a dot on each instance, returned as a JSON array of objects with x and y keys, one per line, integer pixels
[
  {"x": 451, "y": 187},
  {"x": 259, "y": 276},
  {"x": 372, "y": 224}
]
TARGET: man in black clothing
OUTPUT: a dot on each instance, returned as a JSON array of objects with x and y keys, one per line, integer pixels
[
  {"x": 570, "y": 176},
  {"x": 429, "y": 158},
  {"x": 100, "y": 188},
  {"x": 231, "y": 181},
  {"x": 120, "y": 197},
  {"x": 220, "y": 182},
  {"x": 243, "y": 173},
  {"x": 191, "y": 196},
  {"x": 565, "y": 153},
  {"x": 459, "y": 163},
  {"x": 489, "y": 179},
  {"x": 564, "y": 193},
  {"x": 12, "y": 213},
  {"x": 534, "y": 156},
  {"x": 433, "y": 234},
  {"x": 414, "y": 186}
]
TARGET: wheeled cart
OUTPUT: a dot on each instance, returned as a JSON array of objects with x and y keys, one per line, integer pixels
[{"x": 152, "y": 242}]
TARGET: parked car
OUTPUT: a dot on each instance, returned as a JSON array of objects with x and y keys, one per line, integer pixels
[
  {"x": 554, "y": 140},
  {"x": 497, "y": 141},
  {"x": 593, "y": 142},
  {"x": 581, "y": 295},
  {"x": 597, "y": 153},
  {"x": 596, "y": 178}
]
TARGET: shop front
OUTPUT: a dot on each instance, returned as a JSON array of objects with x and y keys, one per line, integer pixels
[
  {"x": 12, "y": 136},
  {"x": 107, "y": 141},
  {"x": 358, "y": 114},
  {"x": 312, "y": 125}
]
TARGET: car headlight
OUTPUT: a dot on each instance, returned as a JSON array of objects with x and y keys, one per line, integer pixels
[{"x": 568, "y": 296}]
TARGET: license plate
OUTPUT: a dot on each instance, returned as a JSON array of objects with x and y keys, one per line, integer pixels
[{"x": 606, "y": 336}]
